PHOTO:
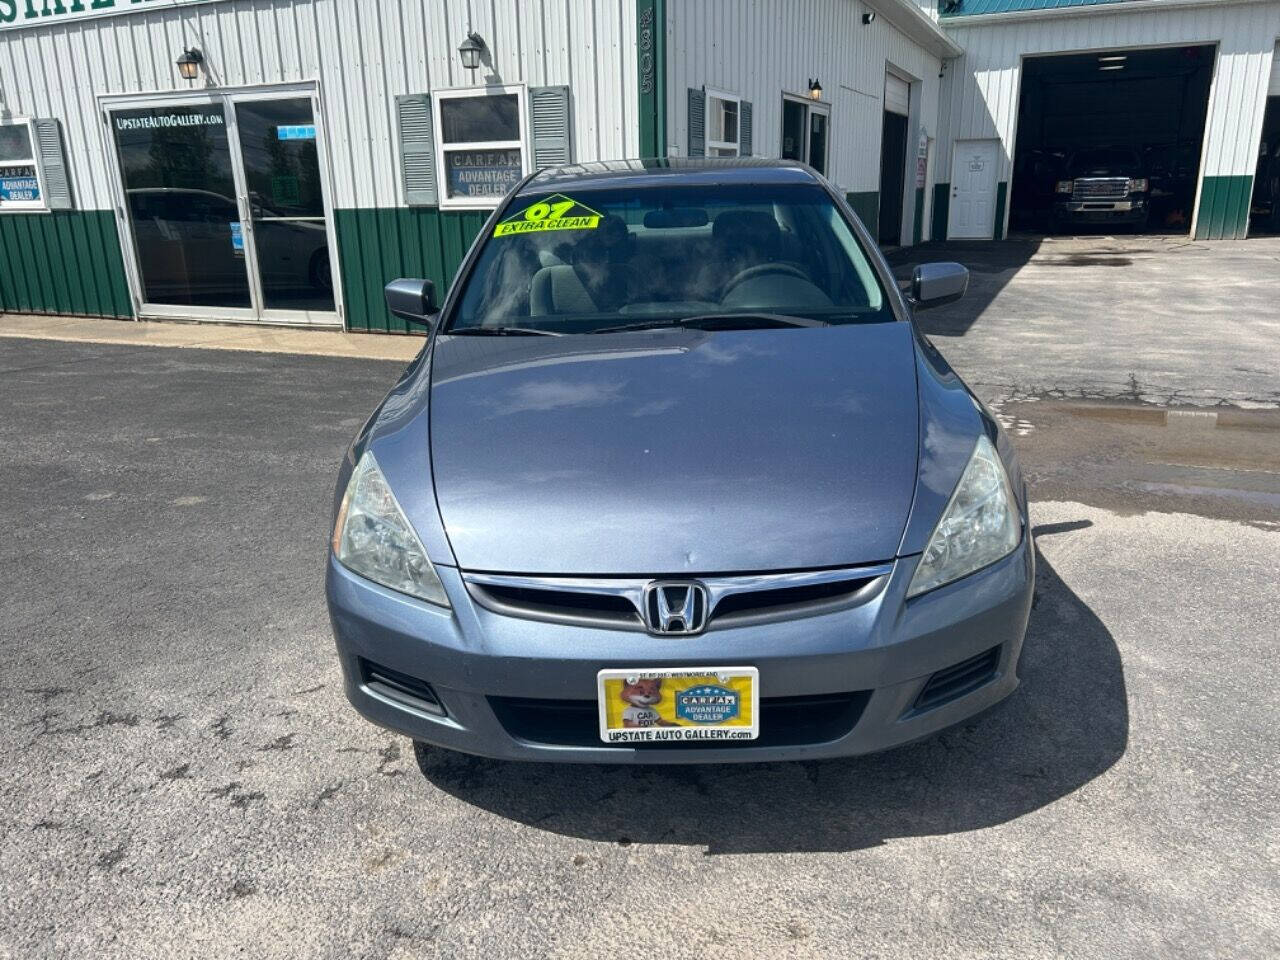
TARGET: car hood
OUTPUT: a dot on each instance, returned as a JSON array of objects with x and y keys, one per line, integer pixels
[
  {"x": 1104, "y": 170},
  {"x": 675, "y": 451}
]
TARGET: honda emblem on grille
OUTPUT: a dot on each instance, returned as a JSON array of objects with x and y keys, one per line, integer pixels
[{"x": 675, "y": 606}]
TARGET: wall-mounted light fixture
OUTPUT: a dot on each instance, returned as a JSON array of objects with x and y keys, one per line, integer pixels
[
  {"x": 815, "y": 89},
  {"x": 470, "y": 50},
  {"x": 869, "y": 16},
  {"x": 189, "y": 63}
]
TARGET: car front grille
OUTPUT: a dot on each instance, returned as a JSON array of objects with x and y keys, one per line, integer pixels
[
  {"x": 1108, "y": 188},
  {"x": 733, "y": 601},
  {"x": 784, "y": 722}
]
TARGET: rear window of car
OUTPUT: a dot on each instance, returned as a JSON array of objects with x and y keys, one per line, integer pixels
[{"x": 572, "y": 262}]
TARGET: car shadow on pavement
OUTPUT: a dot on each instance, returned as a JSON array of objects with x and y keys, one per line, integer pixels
[
  {"x": 1066, "y": 724},
  {"x": 991, "y": 266}
]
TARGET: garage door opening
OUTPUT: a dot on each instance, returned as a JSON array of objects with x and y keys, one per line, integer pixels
[
  {"x": 1110, "y": 141},
  {"x": 893, "y": 159},
  {"x": 1266, "y": 182}
]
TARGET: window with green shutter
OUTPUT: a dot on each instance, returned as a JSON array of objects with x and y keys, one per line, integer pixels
[
  {"x": 33, "y": 166},
  {"x": 720, "y": 124}
]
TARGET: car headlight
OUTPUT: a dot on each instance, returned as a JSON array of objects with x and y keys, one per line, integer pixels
[
  {"x": 980, "y": 525},
  {"x": 374, "y": 539}
]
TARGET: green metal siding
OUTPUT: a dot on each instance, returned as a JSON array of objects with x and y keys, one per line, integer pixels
[
  {"x": 1002, "y": 194},
  {"x": 68, "y": 261},
  {"x": 867, "y": 207},
  {"x": 941, "y": 209},
  {"x": 1224, "y": 207},
  {"x": 917, "y": 226},
  {"x": 378, "y": 245},
  {"x": 651, "y": 79}
]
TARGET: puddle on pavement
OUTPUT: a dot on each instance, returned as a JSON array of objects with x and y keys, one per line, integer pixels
[{"x": 1220, "y": 461}]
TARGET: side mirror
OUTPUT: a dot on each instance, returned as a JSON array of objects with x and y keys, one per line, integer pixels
[
  {"x": 412, "y": 300},
  {"x": 933, "y": 284}
]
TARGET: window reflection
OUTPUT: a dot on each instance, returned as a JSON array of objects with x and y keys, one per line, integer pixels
[
  {"x": 286, "y": 194},
  {"x": 176, "y": 165}
]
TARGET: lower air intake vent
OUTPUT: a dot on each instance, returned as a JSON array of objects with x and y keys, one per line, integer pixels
[
  {"x": 401, "y": 688},
  {"x": 784, "y": 721},
  {"x": 946, "y": 685}
]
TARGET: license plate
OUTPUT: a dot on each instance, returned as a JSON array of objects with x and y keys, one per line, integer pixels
[{"x": 701, "y": 704}]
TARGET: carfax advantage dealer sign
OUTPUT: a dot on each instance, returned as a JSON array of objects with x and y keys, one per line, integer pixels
[{"x": 34, "y": 13}]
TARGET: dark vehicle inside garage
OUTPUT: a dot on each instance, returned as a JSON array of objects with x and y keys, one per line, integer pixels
[
  {"x": 1110, "y": 141},
  {"x": 1265, "y": 207}
]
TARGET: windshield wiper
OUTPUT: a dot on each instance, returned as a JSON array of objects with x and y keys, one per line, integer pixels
[
  {"x": 503, "y": 332},
  {"x": 720, "y": 321}
]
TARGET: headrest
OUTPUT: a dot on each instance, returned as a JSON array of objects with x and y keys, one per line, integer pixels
[
  {"x": 748, "y": 227},
  {"x": 610, "y": 241}
]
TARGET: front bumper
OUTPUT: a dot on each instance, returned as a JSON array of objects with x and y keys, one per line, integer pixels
[
  {"x": 1131, "y": 210},
  {"x": 883, "y": 651}
]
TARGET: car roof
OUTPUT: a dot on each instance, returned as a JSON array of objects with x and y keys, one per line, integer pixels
[{"x": 671, "y": 171}]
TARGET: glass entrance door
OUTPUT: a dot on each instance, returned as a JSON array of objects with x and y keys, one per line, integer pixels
[
  {"x": 224, "y": 197},
  {"x": 286, "y": 203},
  {"x": 804, "y": 131},
  {"x": 180, "y": 190}
]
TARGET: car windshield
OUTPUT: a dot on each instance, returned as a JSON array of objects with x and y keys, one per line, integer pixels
[{"x": 594, "y": 260}]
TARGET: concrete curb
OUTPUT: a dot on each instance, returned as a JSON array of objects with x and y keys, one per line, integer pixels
[{"x": 210, "y": 336}]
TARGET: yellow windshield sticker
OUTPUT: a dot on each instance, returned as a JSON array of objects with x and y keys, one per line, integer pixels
[{"x": 557, "y": 212}]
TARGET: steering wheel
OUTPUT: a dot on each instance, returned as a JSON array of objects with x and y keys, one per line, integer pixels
[{"x": 764, "y": 269}]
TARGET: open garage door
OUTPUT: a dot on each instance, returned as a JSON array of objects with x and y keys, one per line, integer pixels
[
  {"x": 1265, "y": 209},
  {"x": 1110, "y": 140},
  {"x": 893, "y": 158}
]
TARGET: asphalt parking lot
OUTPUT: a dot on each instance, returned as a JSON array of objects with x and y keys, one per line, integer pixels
[
  {"x": 180, "y": 774},
  {"x": 1152, "y": 319}
]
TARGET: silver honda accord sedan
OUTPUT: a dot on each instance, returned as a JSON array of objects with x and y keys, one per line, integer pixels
[{"x": 677, "y": 479}]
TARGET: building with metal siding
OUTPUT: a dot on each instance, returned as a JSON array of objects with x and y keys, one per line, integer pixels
[
  {"x": 357, "y": 57},
  {"x": 980, "y": 96},
  {"x": 769, "y": 53},
  {"x": 902, "y": 83}
]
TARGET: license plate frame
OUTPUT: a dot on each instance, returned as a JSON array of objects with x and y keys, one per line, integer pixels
[{"x": 712, "y": 704}]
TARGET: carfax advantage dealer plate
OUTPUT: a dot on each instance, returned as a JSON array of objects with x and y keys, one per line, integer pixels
[{"x": 705, "y": 704}]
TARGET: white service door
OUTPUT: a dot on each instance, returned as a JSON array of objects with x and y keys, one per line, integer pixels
[{"x": 973, "y": 190}]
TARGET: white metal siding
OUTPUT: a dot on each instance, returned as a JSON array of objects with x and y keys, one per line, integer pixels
[
  {"x": 980, "y": 95},
  {"x": 758, "y": 50},
  {"x": 362, "y": 54}
]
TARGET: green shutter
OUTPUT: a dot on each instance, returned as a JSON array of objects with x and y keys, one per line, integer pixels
[
  {"x": 53, "y": 164},
  {"x": 417, "y": 150},
  {"x": 549, "y": 129},
  {"x": 744, "y": 129},
  {"x": 697, "y": 123}
]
